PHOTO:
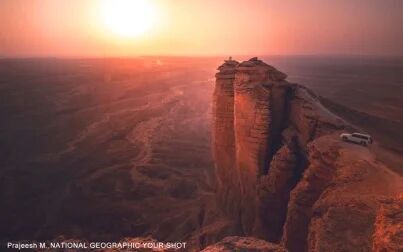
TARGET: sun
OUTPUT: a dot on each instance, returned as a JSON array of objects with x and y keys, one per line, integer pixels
[{"x": 128, "y": 18}]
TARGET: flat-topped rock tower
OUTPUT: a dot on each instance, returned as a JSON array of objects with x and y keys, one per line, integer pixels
[{"x": 278, "y": 158}]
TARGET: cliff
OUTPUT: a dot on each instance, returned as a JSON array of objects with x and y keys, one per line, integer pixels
[{"x": 283, "y": 174}]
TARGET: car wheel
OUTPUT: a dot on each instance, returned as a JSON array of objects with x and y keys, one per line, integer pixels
[{"x": 363, "y": 143}]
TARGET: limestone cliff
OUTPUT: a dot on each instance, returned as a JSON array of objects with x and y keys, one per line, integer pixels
[{"x": 283, "y": 174}]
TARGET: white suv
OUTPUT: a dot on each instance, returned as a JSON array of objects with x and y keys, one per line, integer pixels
[{"x": 359, "y": 138}]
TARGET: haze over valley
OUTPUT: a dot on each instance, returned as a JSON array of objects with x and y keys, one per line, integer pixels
[{"x": 111, "y": 148}]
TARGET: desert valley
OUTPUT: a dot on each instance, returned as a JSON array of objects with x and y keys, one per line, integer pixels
[{"x": 98, "y": 149}]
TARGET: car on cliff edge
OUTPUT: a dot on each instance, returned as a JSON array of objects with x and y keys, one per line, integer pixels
[{"x": 358, "y": 138}]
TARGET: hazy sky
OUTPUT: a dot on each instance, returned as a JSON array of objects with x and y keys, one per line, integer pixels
[{"x": 74, "y": 28}]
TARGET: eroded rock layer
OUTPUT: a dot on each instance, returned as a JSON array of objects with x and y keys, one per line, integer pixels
[
  {"x": 283, "y": 173},
  {"x": 224, "y": 139},
  {"x": 388, "y": 235}
]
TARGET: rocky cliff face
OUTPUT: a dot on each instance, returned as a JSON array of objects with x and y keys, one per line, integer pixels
[
  {"x": 224, "y": 139},
  {"x": 388, "y": 235},
  {"x": 283, "y": 174}
]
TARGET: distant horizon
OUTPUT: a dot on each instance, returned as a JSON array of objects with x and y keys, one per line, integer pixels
[
  {"x": 208, "y": 56},
  {"x": 199, "y": 28}
]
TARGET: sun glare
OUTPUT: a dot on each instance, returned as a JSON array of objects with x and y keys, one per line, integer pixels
[{"x": 128, "y": 18}]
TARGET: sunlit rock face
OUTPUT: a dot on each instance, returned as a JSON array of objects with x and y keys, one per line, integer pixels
[
  {"x": 224, "y": 139},
  {"x": 251, "y": 108},
  {"x": 283, "y": 174},
  {"x": 335, "y": 203},
  {"x": 317, "y": 177},
  {"x": 257, "y": 118},
  {"x": 388, "y": 235},
  {"x": 246, "y": 97}
]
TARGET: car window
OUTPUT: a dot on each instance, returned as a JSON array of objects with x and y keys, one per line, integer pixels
[{"x": 360, "y": 136}]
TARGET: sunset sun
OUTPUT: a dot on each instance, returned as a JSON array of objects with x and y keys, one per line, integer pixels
[{"x": 128, "y": 18}]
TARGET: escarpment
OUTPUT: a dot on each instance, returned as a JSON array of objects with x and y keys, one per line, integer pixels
[
  {"x": 283, "y": 174},
  {"x": 224, "y": 139}
]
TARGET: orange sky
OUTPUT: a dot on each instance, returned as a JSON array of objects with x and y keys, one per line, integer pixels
[{"x": 205, "y": 27}]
